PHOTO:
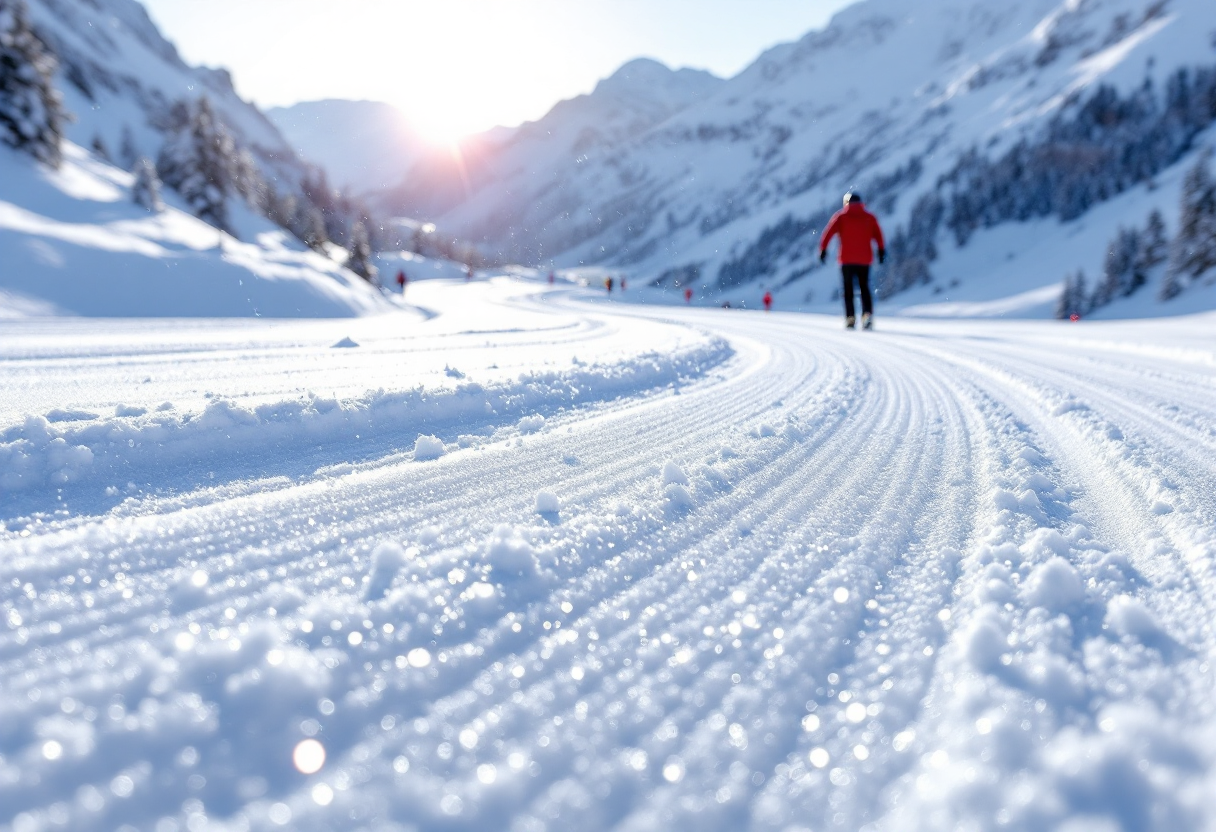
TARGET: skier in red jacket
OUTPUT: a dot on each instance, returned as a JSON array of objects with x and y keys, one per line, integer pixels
[
  {"x": 768, "y": 301},
  {"x": 858, "y": 228}
]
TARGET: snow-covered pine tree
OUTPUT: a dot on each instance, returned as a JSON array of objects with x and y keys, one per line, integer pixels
[
  {"x": 31, "y": 109},
  {"x": 1154, "y": 248},
  {"x": 145, "y": 190},
  {"x": 100, "y": 150},
  {"x": 249, "y": 182},
  {"x": 1121, "y": 274},
  {"x": 198, "y": 161},
  {"x": 309, "y": 225},
  {"x": 1073, "y": 297},
  {"x": 128, "y": 151},
  {"x": 280, "y": 207},
  {"x": 1193, "y": 251},
  {"x": 360, "y": 261},
  {"x": 1171, "y": 285}
]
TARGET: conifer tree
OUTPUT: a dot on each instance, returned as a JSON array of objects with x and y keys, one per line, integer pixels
[
  {"x": 1154, "y": 248},
  {"x": 309, "y": 225},
  {"x": 1171, "y": 285},
  {"x": 1073, "y": 297},
  {"x": 100, "y": 150},
  {"x": 1121, "y": 270},
  {"x": 360, "y": 261},
  {"x": 145, "y": 190},
  {"x": 198, "y": 161},
  {"x": 249, "y": 183},
  {"x": 31, "y": 109},
  {"x": 128, "y": 151},
  {"x": 1193, "y": 251}
]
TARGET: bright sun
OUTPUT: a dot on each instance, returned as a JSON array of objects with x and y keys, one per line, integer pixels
[{"x": 443, "y": 125}]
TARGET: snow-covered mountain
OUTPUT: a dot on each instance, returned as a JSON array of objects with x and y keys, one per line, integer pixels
[
  {"x": 733, "y": 187},
  {"x": 118, "y": 73},
  {"x": 72, "y": 242},
  {"x": 538, "y": 156},
  {"x": 72, "y": 239},
  {"x": 363, "y": 145}
]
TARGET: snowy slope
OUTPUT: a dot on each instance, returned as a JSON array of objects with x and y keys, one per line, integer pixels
[
  {"x": 363, "y": 145},
  {"x": 117, "y": 71},
  {"x": 543, "y": 562},
  {"x": 887, "y": 98},
  {"x": 537, "y": 155},
  {"x": 72, "y": 242}
]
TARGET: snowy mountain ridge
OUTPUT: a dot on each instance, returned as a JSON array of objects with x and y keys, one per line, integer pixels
[
  {"x": 734, "y": 187},
  {"x": 640, "y": 95},
  {"x": 119, "y": 72}
]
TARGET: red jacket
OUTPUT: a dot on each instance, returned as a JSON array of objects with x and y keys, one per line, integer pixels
[{"x": 856, "y": 227}]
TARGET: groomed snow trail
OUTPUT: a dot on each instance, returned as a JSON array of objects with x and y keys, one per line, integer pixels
[{"x": 609, "y": 567}]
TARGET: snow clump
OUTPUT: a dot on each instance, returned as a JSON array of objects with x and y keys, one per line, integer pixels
[
  {"x": 531, "y": 424},
  {"x": 986, "y": 639},
  {"x": 1055, "y": 585},
  {"x": 547, "y": 503},
  {"x": 1129, "y": 617},
  {"x": 32, "y": 455},
  {"x": 674, "y": 475},
  {"x": 509, "y": 554},
  {"x": 428, "y": 447},
  {"x": 387, "y": 560}
]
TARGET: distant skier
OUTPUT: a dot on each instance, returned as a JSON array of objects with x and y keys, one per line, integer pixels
[
  {"x": 768, "y": 301},
  {"x": 552, "y": 277},
  {"x": 468, "y": 273},
  {"x": 858, "y": 228},
  {"x": 688, "y": 295},
  {"x": 608, "y": 284},
  {"x": 624, "y": 285},
  {"x": 402, "y": 280}
]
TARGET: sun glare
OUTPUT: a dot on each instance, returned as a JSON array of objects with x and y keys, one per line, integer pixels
[{"x": 444, "y": 126}]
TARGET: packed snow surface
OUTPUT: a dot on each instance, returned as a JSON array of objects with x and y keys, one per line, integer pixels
[{"x": 519, "y": 558}]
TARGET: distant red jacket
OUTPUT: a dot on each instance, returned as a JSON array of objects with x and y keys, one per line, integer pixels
[{"x": 857, "y": 227}]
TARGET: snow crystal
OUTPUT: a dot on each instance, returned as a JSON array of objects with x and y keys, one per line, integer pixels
[
  {"x": 428, "y": 447},
  {"x": 308, "y": 756}
]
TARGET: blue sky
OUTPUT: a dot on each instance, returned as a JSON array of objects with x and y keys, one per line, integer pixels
[{"x": 456, "y": 66}]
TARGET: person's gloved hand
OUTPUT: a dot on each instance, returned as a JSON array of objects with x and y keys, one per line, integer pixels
[
  {"x": 882, "y": 256},
  {"x": 823, "y": 256}
]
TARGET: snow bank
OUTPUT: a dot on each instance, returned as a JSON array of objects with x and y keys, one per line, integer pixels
[{"x": 43, "y": 452}]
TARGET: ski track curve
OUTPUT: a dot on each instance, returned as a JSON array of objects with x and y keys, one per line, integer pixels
[{"x": 893, "y": 581}]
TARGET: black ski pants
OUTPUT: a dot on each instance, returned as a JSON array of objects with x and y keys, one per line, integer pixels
[{"x": 855, "y": 275}]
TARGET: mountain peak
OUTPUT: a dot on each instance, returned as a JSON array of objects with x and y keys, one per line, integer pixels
[{"x": 649, "y": 77}]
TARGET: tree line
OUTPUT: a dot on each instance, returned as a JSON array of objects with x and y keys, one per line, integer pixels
[
  {"x": 201, "y": 159},
  {"x": 1136, "y": 257}
]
